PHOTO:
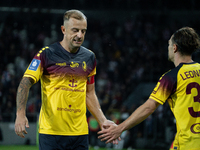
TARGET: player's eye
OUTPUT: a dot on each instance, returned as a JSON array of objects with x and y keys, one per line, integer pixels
[
  {"x": 75, "y": 30},
  {"x": 83, "y": 31}
]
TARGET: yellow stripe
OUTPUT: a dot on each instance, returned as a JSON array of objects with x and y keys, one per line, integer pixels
[{"x": 33, "y": 77}]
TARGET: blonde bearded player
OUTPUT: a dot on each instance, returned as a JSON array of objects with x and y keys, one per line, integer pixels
[
  {"x": 180, "y": 87},
  {"x": 66, "y": 71}
]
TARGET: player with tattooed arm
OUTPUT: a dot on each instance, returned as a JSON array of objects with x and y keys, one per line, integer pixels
[{"x": 66, "y": 71}]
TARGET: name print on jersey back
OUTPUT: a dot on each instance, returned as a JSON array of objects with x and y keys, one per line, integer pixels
[{"x": 190, "y": 74}]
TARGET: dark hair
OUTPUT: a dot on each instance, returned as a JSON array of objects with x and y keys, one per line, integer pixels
[
  {"x": 74, "y": 14},
  {"x": 187, "y": 40}
]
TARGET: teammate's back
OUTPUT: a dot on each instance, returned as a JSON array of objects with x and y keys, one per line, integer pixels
[{"x": 186, "y": 104}]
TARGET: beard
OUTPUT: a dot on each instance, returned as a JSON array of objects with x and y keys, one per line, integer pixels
[
  {"x": 74, "y": 47},
  {"x": 76, "y": 43}
]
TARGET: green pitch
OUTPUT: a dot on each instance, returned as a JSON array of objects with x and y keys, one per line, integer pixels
[{"x": 20, "y": 147}]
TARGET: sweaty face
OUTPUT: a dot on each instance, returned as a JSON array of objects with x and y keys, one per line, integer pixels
[
  {"x": 74, "y": 33},
  {"x": 170, "y": 50}
]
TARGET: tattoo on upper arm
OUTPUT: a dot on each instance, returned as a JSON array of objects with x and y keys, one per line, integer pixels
[
  {"x": 23, "y": 91},
  {"x": 28, "y": 82}
]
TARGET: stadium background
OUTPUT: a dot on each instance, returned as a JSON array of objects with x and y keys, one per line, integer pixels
[{"x": 129, "y": 38}]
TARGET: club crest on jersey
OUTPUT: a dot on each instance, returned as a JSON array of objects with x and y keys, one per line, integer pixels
[
  {"x": 34, "y": 64},
  {"x": 84, "y": 66},
  {"x": 74, "y": 65}
]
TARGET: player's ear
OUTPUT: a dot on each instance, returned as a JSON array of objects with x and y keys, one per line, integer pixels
[
  {"x": 63, "y": 29},
  {"x": 175, "y": 48}
]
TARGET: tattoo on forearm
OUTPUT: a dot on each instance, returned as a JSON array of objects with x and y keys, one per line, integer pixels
[{"x": 22, "y": 92}]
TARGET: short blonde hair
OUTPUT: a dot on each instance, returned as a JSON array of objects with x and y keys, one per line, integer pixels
[{"x": 74, "y": 14}]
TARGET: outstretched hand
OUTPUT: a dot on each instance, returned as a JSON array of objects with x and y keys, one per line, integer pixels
[{"x": 107, "y": 131}]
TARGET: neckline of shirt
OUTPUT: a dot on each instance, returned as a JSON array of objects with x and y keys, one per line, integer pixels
[{"x": 65, "y": 51}]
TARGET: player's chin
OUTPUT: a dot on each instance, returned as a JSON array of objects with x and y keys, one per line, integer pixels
[{"x": 77, "y": 44}]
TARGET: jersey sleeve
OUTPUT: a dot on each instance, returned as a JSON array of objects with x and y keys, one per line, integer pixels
[
  {"x": 35, "y": 68},
  {"x": 163, "y": 89},
  {"x": 93, "y": 72},
  {"x": 91, "y": 80}
]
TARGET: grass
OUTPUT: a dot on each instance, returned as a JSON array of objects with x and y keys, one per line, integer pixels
[
  {"x": 20, "y": 147},
  {"x": 24, "y": 147}
]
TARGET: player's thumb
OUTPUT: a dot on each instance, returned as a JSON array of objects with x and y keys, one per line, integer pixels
[{"x": 27, "y": 125}]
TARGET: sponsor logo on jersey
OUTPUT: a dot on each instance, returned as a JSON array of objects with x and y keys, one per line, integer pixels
[
  {"x": 69, "y": 89},
  {"x": 74, "y": 65},
  {"x": 73, "y": 83},
  {"x": 84, "y": 66},
  {"x": 61, "y": 64},
  {"x": 195, "y": 128},
  {"x": 34, "y": 64},
  {"x": 68, "y": 109}
]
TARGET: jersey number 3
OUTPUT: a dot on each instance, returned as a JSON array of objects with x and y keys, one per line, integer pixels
[
  {"x": 195, "y": 128},
  {"x": 196, "y": 98}
]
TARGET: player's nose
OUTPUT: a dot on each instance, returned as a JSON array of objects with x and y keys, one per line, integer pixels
[{"x": 80, "y": 34}]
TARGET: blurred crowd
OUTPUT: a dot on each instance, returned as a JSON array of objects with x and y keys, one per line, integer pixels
[
  {"x": 128, "y": 53},
  {"x": 106, "y": 4}
]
